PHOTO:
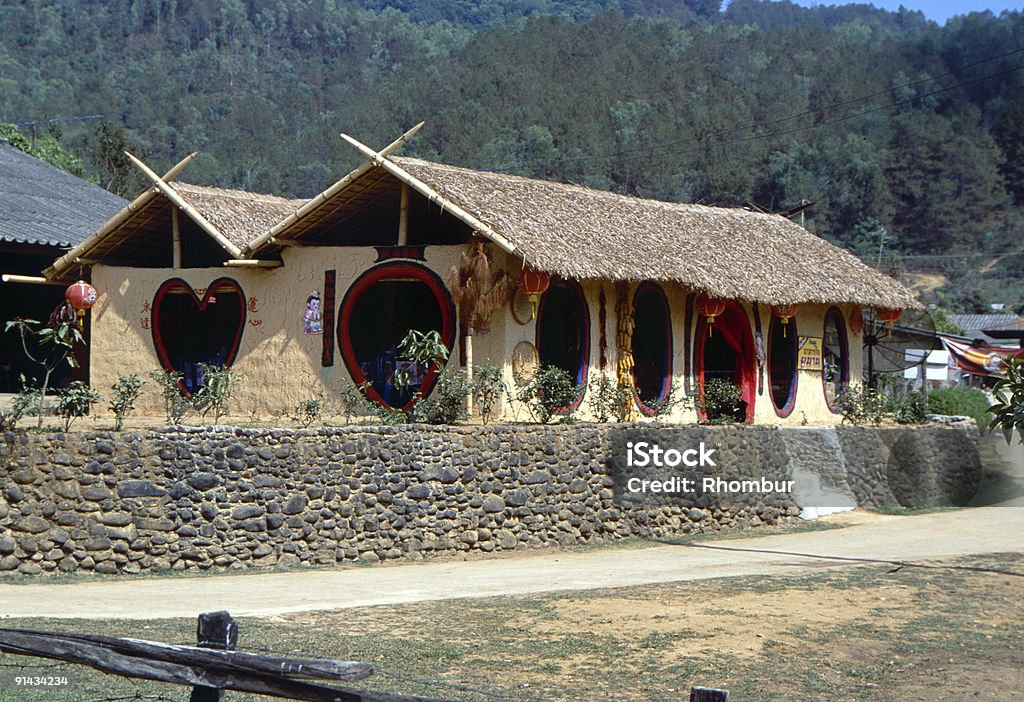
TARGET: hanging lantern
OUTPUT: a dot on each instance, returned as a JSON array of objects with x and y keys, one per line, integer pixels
[
  {"x": 81, "y": 296},
  {"x": 888, "y": 315},
  {"x": 534, "y": 284},
  {"x": 784, "y": 312},
  {"x": 710, "y": 307}
]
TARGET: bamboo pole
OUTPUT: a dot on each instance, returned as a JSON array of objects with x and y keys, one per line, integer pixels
[
  {"x": 69, "y": 259},
  {"x": 176, "y": 243},
  {"x": 252, "y": 263},
  {"x": 432, "y": 195},
  {"x": 30, "y": 279},
  {"x": 269, "y": 237},
  {"x": 469, "y": 370},
  {"x": 172, "y": 195},
  {"x": 403, "y": 217}
]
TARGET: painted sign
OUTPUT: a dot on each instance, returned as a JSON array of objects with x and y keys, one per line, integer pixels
[{"x": 809, "y": 353}]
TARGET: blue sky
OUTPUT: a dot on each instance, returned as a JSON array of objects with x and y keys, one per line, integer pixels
[{"x": 937, "y": 10}]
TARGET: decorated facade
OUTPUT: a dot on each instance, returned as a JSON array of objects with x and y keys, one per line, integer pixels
[{"x": 302, "y": 297}]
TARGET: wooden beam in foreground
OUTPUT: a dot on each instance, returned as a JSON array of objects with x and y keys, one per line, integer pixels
[{"x": 194, "y": 666}]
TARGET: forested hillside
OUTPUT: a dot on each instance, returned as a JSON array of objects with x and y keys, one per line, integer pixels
[{"x": 883, "y": 120}]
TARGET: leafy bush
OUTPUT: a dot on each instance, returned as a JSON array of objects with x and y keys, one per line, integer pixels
[
  {"x": 447, "y": 401},
  {"x": 308, "y": 411},
  {"x": 351, "y": 400},
  {"x": 860, "y": 404},
  {"x": 74, "y": 401},
  {"x": 216, "y": 391},
  {"x": 126, "y": 392},
  {"x": 488, "y": 389},
  {"x": 960, "y": 401},
  {"x": 1008, "y": 410},
  {"x": 609, "y": 399},
  {"x": 53, "y": 345},
  {"x": 548, "y": 393},
  {"x": 176, "y": 405},
  {"x": 911, "y": 408},
  {"x": 720, "y": 399}
]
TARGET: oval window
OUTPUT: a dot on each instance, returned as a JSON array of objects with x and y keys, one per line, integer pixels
[
  {"x": 377, "y": 313},
  {"x": 563, "y": 332},
  {"x": 782, "y": 360},
  {"x": 835, "y": 358},
  {"x": 652, "y": 347}
]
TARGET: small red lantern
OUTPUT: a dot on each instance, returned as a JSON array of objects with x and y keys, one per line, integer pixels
[
  {"x": 888, "y": 315},
  {"x": 81, "y": 296},
  {"x": 710, "y": 307},
  {"x": 534, "y": 284},
  {"x": 784, "y": 312}
]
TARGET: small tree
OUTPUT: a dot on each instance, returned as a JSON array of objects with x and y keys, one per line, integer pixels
[
  {"x": 55, "y": 342},
  {"x": 1008, "y": 409},
  {"x": 488, "y": 388},
  {"x": 126, "y": 392},
  {"x": 214, "y": 395},
  {"x": 74, "y": 401},
  {"x": 176, "y": 405}
]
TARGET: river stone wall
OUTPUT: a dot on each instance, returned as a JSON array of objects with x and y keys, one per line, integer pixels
[{"x": 229, "y": 498}]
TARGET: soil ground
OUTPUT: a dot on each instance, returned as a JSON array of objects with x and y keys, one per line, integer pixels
[{"x": 949, "y": 626}]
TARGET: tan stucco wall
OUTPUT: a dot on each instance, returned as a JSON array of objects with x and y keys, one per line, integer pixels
[{"x": 280, "y": 365}]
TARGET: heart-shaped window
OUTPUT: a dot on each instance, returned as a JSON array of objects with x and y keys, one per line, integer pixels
[{"x": 189, "y": 330}]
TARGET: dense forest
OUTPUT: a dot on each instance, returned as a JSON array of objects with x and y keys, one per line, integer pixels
[{"x": 907, "y": 136}]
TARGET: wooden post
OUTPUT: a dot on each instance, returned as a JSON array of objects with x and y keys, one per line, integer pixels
[
  {"x": 176, "y": 244},
  {"x": 469, "y": 370},
  {"x": 217, "y": 630},
  {"x": 403, "y": 217}
]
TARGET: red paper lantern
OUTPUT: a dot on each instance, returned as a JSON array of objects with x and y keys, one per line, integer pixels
[
  {"x": 784, "y": 312},
  {"x": 534, "y": 284},
  {"x": 81, "y": 296},
  {"x": 710, "y": 307},
  {"x": 888, "y": 315}
]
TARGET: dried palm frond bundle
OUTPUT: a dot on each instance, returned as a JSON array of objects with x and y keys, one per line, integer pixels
[{"x": 477, "y": 288}]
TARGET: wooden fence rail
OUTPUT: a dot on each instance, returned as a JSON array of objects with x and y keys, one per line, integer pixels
[{"x": 207, "y": 670}]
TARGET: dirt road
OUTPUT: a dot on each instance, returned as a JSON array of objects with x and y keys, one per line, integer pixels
[{"x": 995, "y": 524}]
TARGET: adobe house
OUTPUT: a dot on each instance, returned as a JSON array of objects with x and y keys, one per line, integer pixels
[
  {"x": 44, "y": 211},
  {"x": 300, "y": 297}
]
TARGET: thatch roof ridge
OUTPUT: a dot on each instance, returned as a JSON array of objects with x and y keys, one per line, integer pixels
[
  {"x": 582, "y": 233},
  {"x": 239, "y": 215}
]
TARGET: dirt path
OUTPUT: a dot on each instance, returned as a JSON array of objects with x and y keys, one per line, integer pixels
[{"x": 996, "y": 527}]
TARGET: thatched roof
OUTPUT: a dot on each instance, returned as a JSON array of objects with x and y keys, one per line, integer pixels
[
  {"x": 240, "y": 216},
  {"x": 140, "y": 233},
  {"x": 43, "y": 205},
  {"x": 730, "y": 253}
]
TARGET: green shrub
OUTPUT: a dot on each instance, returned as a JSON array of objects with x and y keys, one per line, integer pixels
[
  {"x": 911, "y": 408},
  {"x": 720, "y": 400},
  {"x": 176, "y": 405},
  {"x": 960, "y": 401},
  {"x": 548, "y": 393},
  {"x": 74, "y": 401},
  {"x": 860, "y": 404},
  {"x": 447, "y": 401},
  {"x": 125, "y": 393},
  {"x": 488, "y": 389},
  {"x": 216, "y": 391},
  {"x": 609, "y": 399}
]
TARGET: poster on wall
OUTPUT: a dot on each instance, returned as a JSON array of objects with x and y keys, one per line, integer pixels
[
  {"x": 311, "y": 320},
  {"x": 809, "y": 353}
]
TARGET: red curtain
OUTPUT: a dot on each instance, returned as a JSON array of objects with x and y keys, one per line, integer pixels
[{"x": 732, "y": 324}]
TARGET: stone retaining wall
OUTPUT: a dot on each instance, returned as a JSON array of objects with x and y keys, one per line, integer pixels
[{"x": 201, "y": 498}]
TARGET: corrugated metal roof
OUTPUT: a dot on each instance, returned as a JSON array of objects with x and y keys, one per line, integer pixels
[
  {"x": 974, "y": 322},
  {"x": 41, "y": 204}
]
